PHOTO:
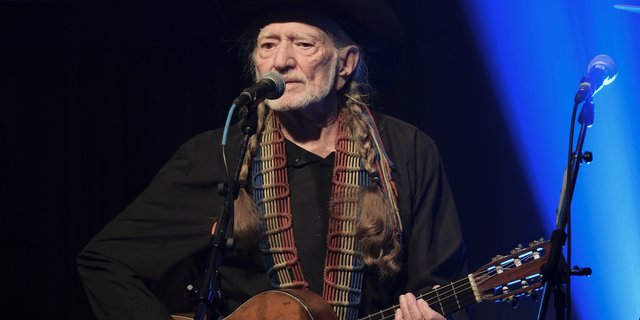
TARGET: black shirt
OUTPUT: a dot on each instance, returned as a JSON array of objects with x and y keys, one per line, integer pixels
[
  {"x": 311, "y": 174},
  {"x": 172, "y": 220}
]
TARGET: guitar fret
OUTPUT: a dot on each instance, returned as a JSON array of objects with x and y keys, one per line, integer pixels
[
  {"x": 455, "y": 295},
  {"x": 383, "y": 314},
  {"x": 452, "y": 306},
  {"x": 461, "y": 289},
  {"x": 391, "y": 314},
  {"x": 439, "y": 302}
]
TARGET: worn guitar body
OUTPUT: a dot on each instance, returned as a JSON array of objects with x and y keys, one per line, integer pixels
[
  {"x": 284, "y": 304},
  {"x": 281, "y": 304}
]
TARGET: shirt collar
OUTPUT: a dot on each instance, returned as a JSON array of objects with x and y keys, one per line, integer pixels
[{"x": 297, "y": 156}]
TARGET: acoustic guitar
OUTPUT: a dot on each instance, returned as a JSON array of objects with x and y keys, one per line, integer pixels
[{"x": 505, "y": 278}]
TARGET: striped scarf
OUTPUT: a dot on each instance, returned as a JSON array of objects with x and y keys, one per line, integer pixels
[{"x": 344, "y": 266}]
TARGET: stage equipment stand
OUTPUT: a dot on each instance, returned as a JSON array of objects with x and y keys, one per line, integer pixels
[
  {"x": 223, "y": 236},
  {"x": 556, "y": 272}
]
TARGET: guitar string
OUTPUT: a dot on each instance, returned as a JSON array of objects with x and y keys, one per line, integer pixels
[
  {"x": 508, "y": 266},
  {"x": 445, "y": 307},
  {"x": 440, "y": 297},
  {"x": 448, "y": 306},
  {"x": 430, "y": 299}
]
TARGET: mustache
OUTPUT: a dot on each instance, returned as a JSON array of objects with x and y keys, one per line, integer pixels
[
  {"x": 290, "y": 76},
  {"x": 295, "y": 77}
]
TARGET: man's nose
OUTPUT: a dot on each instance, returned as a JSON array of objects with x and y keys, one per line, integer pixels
[{"x": 284, "y": 57}]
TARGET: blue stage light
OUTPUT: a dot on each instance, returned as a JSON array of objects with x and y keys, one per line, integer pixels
[{"x": 536, "y": 52}]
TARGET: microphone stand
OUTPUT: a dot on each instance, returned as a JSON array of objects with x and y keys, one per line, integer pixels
[
  {"x": 555, "y": 272},
  {"x": 223, "y": 236}
]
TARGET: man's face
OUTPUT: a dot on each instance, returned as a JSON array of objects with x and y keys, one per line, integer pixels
[{"x": 304, "y": 55}]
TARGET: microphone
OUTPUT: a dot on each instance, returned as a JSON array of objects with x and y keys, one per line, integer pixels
[
  {"x": 271, "y": 85},
  {"x": 602, "y": 70}
]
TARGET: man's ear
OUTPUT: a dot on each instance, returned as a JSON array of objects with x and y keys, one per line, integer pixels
[{"x": 347, "y": 61}]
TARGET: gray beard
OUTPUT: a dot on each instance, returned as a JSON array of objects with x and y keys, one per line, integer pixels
[{"x": 310, "y": 96}]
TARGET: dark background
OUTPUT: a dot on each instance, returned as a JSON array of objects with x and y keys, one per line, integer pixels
[{"x": 95, "y": 98}]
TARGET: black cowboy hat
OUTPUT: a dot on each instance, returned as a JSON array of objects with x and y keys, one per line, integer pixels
[{"x": 371, "y": 24}]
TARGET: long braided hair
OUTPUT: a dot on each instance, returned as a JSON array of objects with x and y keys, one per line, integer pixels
[{"x": 376, "y": 227}]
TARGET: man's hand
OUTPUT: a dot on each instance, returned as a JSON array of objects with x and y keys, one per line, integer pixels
[{"x": 412, "y": 309}]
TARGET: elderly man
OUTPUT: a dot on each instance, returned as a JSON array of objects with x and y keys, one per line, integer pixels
[{"x": 351, "y": 205}]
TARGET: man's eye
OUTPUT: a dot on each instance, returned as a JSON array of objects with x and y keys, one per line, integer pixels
[
  {"x": 305, "y": 45},
  {"x": 268, "y": 45}
]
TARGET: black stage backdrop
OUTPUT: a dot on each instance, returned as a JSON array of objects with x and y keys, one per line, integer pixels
[{"x": 95, "y": 98}]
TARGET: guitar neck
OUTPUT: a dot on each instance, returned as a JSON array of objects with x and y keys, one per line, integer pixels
[
  {"x": 515, "y": 275},
  {"x": 444, "y": 300}
]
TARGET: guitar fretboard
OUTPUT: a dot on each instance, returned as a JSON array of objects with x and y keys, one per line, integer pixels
[{"x": 444, "y": 300}]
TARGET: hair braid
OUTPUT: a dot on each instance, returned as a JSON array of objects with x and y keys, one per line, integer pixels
[{"x": 375, "y": 228}]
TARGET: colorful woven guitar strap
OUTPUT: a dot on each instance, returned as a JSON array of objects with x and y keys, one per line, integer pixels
[{"x": 344, "y": 265}]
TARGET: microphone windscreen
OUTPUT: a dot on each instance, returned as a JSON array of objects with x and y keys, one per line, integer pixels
[
  {"x": 278, "y": 79},
  {"x": 607, "y": 64}
]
